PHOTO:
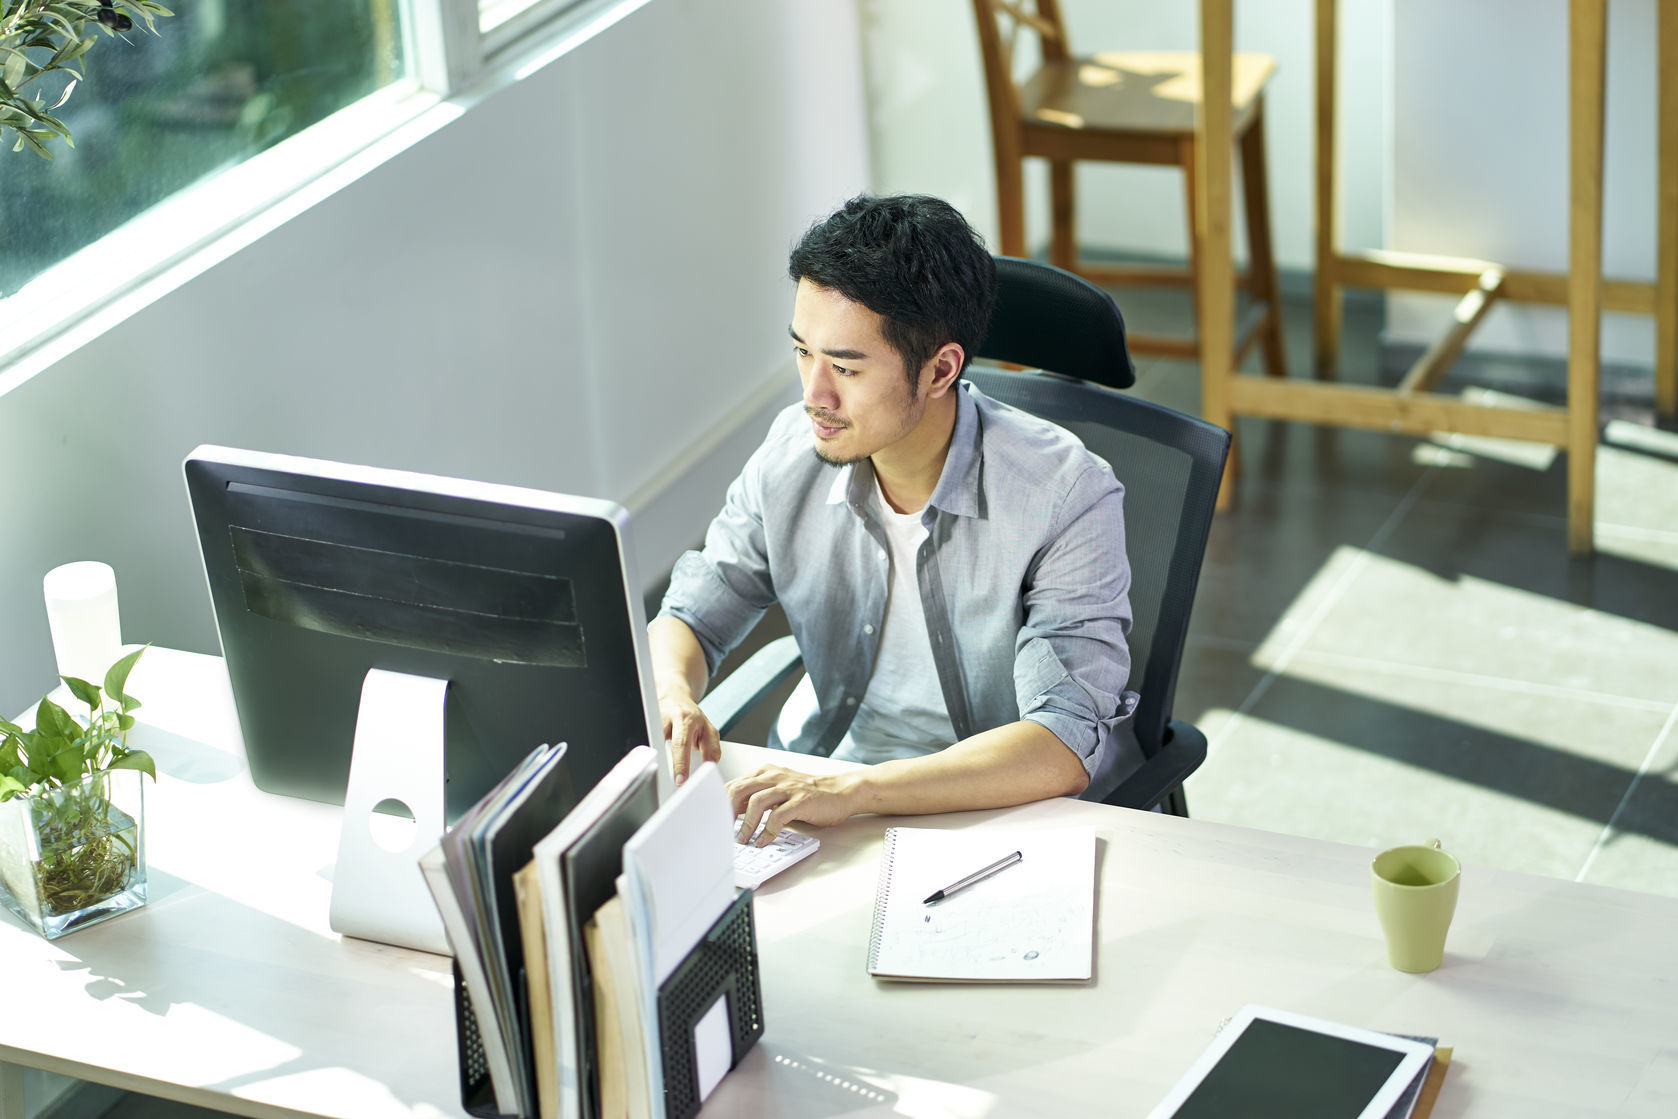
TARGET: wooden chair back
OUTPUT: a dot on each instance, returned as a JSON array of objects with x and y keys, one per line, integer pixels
[{"x": 1000, "y": 25}]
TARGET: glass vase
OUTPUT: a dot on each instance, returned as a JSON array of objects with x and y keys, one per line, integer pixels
[{"x": 75, "y": 855}]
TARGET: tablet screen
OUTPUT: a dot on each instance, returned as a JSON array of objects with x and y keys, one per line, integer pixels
[{"x": 1276, "y": 1071}]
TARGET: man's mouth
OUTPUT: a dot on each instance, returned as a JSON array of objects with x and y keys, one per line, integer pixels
[{"x": 826, "y": 426}]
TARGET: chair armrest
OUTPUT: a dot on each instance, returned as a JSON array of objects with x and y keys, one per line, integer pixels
[
  {"x": 744, "y": 688},
  {"x": 1180, "y": 755}
]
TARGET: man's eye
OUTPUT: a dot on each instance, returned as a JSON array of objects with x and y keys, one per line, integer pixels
[
  {"x": 801, "y": 351},
  {"x": 843, "y": 372}
]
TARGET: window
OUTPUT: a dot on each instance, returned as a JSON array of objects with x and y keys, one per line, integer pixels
[
  {"x": 224, "y": 80},
  {"x": 204, "y": 129}
]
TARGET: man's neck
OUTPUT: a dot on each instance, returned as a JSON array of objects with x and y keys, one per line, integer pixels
[{"x": 908, "y": 470}]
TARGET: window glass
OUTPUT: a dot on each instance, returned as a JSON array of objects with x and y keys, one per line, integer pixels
[{"x": 222, "y": 81}]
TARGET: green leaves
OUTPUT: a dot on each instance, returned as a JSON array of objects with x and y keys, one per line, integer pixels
[
  {"x": 136, "y": 759},
  {"x": 65, "y": 766},
  {"x": 40, "y": 37},
  {"x": 33, "y": 139},
  {"x": 51, "y": 719},
  {"x": 116, "y": 678},
  {"x": 16, "y": 66},
  {"x": 82, "y": 690},
  {"x": 62, "y": 750}
]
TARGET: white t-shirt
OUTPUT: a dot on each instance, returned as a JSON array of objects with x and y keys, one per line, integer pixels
[{"x": 902, "y": 714}]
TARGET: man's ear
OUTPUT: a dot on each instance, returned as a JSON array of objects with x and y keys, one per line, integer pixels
[{"x": 946, "y": 366}]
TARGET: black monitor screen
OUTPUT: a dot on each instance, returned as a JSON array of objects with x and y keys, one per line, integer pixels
[{"x": 524, "y": 601}]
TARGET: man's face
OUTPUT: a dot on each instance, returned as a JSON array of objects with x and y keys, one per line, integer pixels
[{"x": 855, "y": 390}]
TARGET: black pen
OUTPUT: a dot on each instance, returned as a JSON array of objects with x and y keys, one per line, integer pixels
[{"x": 977, "y": 875}]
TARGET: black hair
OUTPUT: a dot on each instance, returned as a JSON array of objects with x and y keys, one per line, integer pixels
[{"x": 911, "y": 259}]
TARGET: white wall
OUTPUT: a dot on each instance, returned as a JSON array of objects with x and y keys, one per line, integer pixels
[
  {"x": 929, "y": 124},
  {"x": 1480, "y": 159},
  {"x": 577, "y": 285}
]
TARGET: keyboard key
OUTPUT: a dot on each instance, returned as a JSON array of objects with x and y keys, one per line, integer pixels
[{"x": 753, "y": 866}]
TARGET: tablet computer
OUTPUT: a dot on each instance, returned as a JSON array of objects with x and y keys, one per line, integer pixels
[{"x": 1273, "y": 1064}]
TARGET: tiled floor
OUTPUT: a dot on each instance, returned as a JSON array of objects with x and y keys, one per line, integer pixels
[{"x": 1391, "y": 643}]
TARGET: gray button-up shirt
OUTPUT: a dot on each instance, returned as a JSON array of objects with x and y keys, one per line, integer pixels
[{"x": 1023, "y": 580}]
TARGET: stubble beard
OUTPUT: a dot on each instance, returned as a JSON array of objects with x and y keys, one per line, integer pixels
[{"x": 837, "y": 460}]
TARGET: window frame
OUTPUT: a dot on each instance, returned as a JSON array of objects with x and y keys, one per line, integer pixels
[{"x": 451, "y": 66}]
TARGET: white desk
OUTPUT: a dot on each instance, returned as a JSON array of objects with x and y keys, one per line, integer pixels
[{"x": 228, "y": 990}]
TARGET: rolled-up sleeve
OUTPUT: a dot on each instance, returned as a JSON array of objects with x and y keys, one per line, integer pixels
[
  {"x": 722, "y": 591},
  {"x": 1071, "y": 658}
]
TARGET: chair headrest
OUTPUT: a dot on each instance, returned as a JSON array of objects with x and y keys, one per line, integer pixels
[{"x": 1049, "y": 319}]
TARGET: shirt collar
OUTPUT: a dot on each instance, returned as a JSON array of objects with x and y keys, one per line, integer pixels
[{"x": 957, "y": 490}]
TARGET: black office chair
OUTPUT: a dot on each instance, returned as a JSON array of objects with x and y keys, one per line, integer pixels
[{"x": 1170, "y": 464}]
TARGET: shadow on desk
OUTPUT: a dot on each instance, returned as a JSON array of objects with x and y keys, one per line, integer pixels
[
  {"x": 234, "y": 998},
  {"x": 184, "y": 758}
]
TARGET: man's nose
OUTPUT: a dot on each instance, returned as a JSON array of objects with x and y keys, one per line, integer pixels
[{"x": 819, "y": 388}]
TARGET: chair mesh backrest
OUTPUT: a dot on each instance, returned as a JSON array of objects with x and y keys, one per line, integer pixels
[
  {"x": 1049, "y": 319},
  {"x": 1170, "y": 465}
]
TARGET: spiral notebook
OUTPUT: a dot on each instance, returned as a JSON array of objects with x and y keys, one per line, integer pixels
[{"x": 1033, "y": 922}]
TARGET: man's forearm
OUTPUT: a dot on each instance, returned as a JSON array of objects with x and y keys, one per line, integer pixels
[
  {"x": 1013, "y": 764},
  {"x": 677, "y": 657}
]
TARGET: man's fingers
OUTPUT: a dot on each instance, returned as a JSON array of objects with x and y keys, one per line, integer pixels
[
  {"x": 741, "y": 789},
  {"x": 753, "y": 808},
  {"x": 710, "y": 742},
  {"x": 770, "y": 806},
  {"x": 680, "y": 752}
]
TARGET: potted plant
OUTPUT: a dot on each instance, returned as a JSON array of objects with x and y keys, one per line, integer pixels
[{"x": 72, "y": 840}]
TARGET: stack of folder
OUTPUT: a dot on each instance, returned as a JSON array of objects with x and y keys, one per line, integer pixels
[{"x": 607, "y": 967}]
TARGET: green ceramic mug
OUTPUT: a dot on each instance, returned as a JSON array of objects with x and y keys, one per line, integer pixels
[{"x": 1415, "y": 897}]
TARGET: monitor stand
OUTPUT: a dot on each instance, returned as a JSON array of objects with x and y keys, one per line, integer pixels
[{"x": 378, "y": 892}]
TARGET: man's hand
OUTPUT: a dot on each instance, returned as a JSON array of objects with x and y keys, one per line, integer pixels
[
  {"x": 679, "y": 673},
  {"x": 776, "y": 797},
  {"x": 686, "y": 729}
]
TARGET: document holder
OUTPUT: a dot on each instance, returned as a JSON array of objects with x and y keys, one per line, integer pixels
[
  {"x": 476, "y": 1094},
  {"x": 722, "y": 965}
]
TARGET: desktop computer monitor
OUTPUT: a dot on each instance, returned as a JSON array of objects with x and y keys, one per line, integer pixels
[{"x": 524, "y": 602}]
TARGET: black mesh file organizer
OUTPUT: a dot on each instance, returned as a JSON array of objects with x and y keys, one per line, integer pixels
[
  {"x": 723, "y": 963},
  {"x": 476, "y": 1094}
]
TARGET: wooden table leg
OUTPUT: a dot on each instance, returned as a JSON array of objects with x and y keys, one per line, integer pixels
[
  {"x": 1326, "y": 292},
  {"x": 1215, "y": 151},
  {"x": 1666, "y": 277},
  {"x": 1587, "y": 38}
]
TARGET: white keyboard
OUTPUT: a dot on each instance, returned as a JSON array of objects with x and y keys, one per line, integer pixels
[{"x": 753, "y": 866}]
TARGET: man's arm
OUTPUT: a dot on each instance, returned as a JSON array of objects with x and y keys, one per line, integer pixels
[
  {"x": 680, "y": 676},
  {"x": 1013, "y": 764}
]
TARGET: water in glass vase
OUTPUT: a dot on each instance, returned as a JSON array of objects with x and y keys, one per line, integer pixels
[{"x": 72, "y": 856}]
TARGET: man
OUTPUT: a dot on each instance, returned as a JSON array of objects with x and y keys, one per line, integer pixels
[{"x": 952, "y": 569}]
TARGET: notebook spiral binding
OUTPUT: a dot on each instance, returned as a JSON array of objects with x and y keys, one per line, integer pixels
[{"x": 881, "y": 893}]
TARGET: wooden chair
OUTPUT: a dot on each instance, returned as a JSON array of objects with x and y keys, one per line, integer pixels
[{"x": 1123, "y": 107}]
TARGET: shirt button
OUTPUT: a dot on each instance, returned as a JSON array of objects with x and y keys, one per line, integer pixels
[
  {"x": 850, "y": 701},
  {"x": 867, "y": 629},
  {"x": 882, "y": 553}
]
